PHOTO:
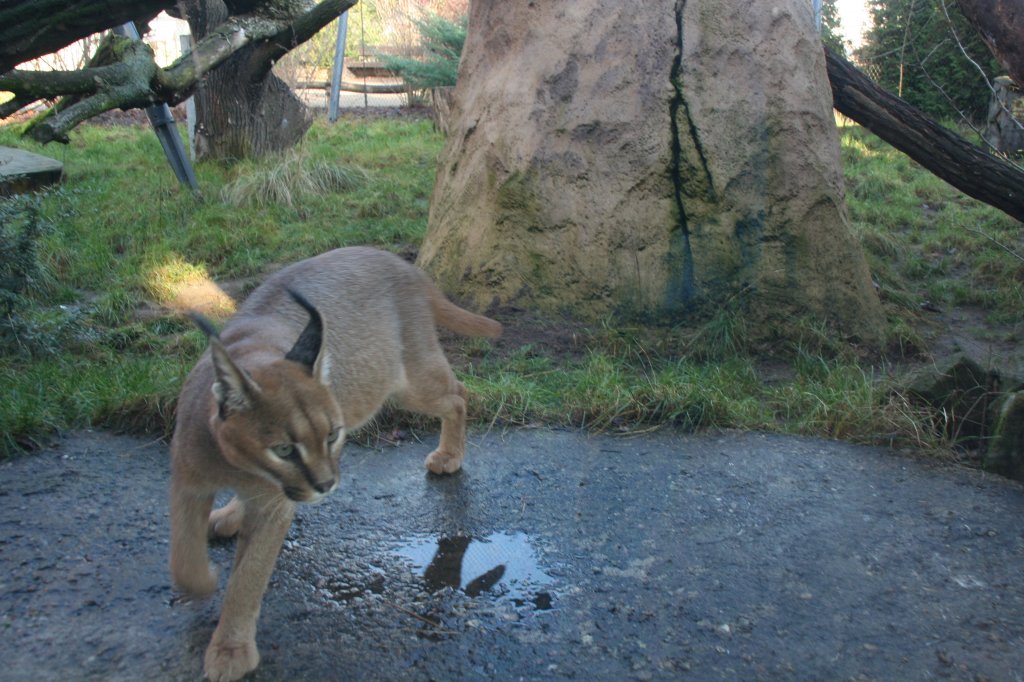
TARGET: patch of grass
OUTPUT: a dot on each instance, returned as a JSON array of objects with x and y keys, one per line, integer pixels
[
  {"x": 289, "y": 179},
  {"x": 830, "y": 398},
  {"x": 94, "y": 386}
]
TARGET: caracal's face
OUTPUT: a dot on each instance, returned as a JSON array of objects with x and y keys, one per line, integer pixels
[{"x": 291, "y": 434}]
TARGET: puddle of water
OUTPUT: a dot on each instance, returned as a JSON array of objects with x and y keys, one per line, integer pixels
[{"x": 504, "y": 564}]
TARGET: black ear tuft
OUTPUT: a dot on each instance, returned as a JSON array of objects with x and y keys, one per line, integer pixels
[
  {"x": 204, "y": 324},
  {"x": 233, "y": 388},
  {"x": 307, "y": 348}
]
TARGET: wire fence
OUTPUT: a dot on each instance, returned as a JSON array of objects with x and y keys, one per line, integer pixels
[{"x": 375, "y": 29}]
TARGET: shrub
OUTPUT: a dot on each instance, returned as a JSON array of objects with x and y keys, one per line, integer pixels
[
  {"x": 23, "y": 325},
  {"x": 442, "y": 41}
]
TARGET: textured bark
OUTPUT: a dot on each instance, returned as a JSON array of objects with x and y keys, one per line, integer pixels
[
  {"x": 985, "y": 177},
  {"x": 664, "y": 159},
  {"x": 441, "y": 108},
  {"x": 1001, "y": 25},
  {"x": 242, "y": 109}
]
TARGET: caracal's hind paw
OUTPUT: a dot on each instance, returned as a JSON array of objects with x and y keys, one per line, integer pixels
[
  {"x": 195, "y": 580},
  {"x": 228, "y": 661},
  {"x": 440, "y": 462},
  {"x": 226, "y": 521}
]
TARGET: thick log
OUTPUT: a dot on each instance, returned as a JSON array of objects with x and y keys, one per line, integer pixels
[
  {"x": 971, "y": 170},
  {"x": 354, "y": 86}
]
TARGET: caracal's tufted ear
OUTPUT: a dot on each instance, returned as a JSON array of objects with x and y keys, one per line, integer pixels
[
  {"x": 309, "y": 349},
  {"x": 233, "y": 389}
]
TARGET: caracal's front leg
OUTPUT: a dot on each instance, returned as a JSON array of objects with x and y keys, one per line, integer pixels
[
  {"x": 232, "y": 652},
  {"x": 190, "y": 561}
]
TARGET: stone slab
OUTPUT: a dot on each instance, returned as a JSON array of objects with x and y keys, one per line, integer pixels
[{"x": 22, "y": 171}]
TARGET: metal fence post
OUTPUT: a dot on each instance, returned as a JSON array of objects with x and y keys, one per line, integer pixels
[
  {"x": 163, "y": 125},
  {"x": 339, "y": 65}
]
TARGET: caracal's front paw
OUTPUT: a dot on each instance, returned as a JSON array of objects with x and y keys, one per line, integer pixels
[
  {"x": 440, "y": 462},
  {"x": 226, "y": 521},
  {"x": 227, "y": 661}
]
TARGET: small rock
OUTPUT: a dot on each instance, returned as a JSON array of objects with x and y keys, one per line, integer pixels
[
  {"x": 22, "y": 171},
  {"x": 1005, "y": 454},
  {"x": 963, "y": 390}
]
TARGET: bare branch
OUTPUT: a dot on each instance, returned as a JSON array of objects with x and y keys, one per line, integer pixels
[
  {"x": 12, "y": 106},
  {"x": 995, "y": 241}
]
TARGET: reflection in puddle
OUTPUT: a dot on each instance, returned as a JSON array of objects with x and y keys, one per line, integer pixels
[{"x": 502, "y": 563}]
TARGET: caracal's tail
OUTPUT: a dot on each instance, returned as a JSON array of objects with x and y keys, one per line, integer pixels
[{"x": 451, "y": 316}]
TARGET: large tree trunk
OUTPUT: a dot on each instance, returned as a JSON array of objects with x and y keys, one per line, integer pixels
[
  {"x": 952, "y": 158},
  {"x": 1001, "y": 25},
  {"x": 661, "y": 158},
  {"x": 242, "y": 109}
]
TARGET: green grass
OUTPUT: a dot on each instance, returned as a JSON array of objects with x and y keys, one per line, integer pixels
[
  {"x": 126, "y": 236},
  {"x": 832, "y": 399},
  {"x": 126, "y": 239},
  {"x": 927, "y": 242}
]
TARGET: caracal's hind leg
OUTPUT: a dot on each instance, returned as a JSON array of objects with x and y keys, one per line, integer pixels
[
  {"x": 225, "y": 522},
  {"x": 434, "y": 390}
]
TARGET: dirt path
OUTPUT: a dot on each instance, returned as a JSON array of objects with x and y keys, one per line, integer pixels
[{"x": 734, "y": 556}]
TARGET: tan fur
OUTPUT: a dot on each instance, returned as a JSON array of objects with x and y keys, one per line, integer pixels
[{"x": 244, "y": 399}]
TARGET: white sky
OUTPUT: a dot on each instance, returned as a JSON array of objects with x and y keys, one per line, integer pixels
[{"x": 855, "y": 18}]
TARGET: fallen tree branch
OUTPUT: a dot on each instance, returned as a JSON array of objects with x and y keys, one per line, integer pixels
[
  {"x": 135, "y": 80},
  {"x": 33, "y": 28},
  {"x": 995, "y": 241},
  {"x": 980, "y": 175},
  {"x": 354, "y": 86}
]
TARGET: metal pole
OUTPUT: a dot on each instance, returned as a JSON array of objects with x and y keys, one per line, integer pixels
[
  {"x": 339, "y": 65},
  {"x": 817, "y": 14},
  {"x": 165, "y": 129}
]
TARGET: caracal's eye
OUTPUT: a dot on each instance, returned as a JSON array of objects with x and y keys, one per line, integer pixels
[
  {"x": 285, "y": 450},
  {"x": 334, "y": 435}
]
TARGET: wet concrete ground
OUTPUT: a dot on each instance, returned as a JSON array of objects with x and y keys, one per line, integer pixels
[{"x": 552, "y": 555}]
